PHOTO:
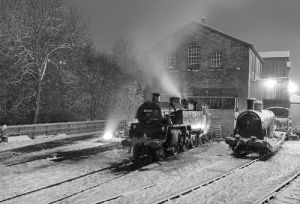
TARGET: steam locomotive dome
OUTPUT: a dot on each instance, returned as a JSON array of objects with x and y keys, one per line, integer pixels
[{"x": 251, "y": 123}]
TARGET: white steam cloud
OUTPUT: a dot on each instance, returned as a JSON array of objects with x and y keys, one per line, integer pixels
[{"x": 156, "y": 69}]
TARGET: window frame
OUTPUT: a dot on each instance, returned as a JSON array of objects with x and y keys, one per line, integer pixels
[
  {"x": 216, "y": 59},
  {"x": 171, "y": 62},
  {"x": 194, "y": 56}
]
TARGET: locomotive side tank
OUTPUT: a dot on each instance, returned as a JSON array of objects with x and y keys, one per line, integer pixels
[
  {"x": 166, "y": 127},
  {"x": 255, "y": 131}
]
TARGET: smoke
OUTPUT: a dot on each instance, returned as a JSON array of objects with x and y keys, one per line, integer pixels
[
  {"x": 112, "y": 126},
  {"x": 157, "y": 73}
]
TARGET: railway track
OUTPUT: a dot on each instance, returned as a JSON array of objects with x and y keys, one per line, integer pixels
[
  {"x": 198, "y": 186},
  {"x": 64, "y": 155},
  {"x": 124, "y": 194},
  {"x": 111, "y": 197},
  {"x": 272, "y": 195},
  {"x": 124, "y": 164}
]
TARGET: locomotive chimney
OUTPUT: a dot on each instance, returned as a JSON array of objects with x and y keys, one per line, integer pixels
[
  {"x": 155, "y": 97},
  {"x": 175, "y": 100},
  {"x": 250, "y": 103},
  {"x": 258, "y": 106}
]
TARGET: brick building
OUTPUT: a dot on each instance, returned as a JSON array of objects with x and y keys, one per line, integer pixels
[{"x": 210, "y": 67}]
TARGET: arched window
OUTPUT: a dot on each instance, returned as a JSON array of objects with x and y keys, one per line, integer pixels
[
  {"x": 194, "y": 57},
  {"x": 216, "y": 59}
]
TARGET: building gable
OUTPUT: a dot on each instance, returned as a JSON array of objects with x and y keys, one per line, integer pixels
[{"x": 194, "y": 31}]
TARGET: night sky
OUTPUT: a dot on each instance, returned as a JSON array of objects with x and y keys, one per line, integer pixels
[{"x": 270, "y": 25}]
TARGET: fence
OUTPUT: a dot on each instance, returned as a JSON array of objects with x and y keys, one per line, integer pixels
[{"x": 122, "y": 126}]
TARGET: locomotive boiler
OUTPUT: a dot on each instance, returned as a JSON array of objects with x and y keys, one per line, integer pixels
[
  {"x": 165, "y": 128},
  {"x": 255, "y": 131}
]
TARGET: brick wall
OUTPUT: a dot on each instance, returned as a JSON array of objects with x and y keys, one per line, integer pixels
[{"x": 230, "y": 80}]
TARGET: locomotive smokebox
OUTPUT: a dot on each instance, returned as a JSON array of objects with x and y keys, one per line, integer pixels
[
  {"x": 155, "y": 97},
  {"x": 258, "y": 106},
  {"x": 250, "y": 103},
  {"x": 175, "y": 100}
]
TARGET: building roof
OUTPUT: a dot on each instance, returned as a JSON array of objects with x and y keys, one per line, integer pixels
[
  {"x": 275, "y": 54},
  {"x": 232, "y": 37},
  {"x": 196, "y": 24}
]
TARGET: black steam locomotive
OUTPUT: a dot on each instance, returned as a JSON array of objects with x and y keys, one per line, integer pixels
[
  {"x": 255, "y": 131},
  {"x": 165, "y": 128}
]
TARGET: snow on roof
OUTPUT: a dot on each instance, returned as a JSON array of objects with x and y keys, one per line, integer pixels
[{"x": 275, "y": 54}]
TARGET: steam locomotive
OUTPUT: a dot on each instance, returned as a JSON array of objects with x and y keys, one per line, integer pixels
[
  {"x": 255, "y": 131},
  {"x": 283, "y": 120},
  {"x": 165, "y": 128}
]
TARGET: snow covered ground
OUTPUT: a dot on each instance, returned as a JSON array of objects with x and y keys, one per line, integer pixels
[
  {"x": 171, "y": 176},
  {"x": 289, "y": 195},
  {"x": 251, "y": 183},
  {"x": 154, "y": 182}
]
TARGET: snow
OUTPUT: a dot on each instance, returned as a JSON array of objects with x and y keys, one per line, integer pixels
[
  {"x": 40, "y": 140},
  {"x": 289, "y": 195},
  {"x": 156, "y": 181},
  {"x": 171, "y": 176}
]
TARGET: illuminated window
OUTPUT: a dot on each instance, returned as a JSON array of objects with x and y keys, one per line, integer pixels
[
  {"x": 171, "y": 62},
  {"x": 194, "y": 57},
  {"x": 216, "y": 59}
]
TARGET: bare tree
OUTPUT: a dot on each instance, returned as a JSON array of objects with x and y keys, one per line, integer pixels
[
  {"x": 131, "y": 93},
  {"x": 99, "y": 77},
  {"x": 31, "y": 34}
]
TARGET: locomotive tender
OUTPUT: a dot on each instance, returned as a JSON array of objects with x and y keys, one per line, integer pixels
[
  {"x": 166, "y": 128},
  {"x": 255, "y": 131}
]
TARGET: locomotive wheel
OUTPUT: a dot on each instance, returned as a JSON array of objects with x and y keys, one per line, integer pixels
[
  {"x": 175, "y": 149},
  {"x": 197, "y": 140},
  {"x": 184, "y": 146},
  {"x": 159, "y": 154},
  {"x": 136, "y": 154},
  {"x": 193, "y": 142},
  {"x": 239, "y": 154}
]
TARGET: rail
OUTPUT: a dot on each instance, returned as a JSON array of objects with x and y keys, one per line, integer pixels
[
  {"x": 32, "y": 131},
  {"x": 272, "y": 195},
  {"x": 196, "y": 187}
]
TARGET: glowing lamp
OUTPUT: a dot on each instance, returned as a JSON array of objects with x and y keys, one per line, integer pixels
[
  {"x": 108, "y": 135},
  {"x": 292, "y": 87},
  {"x": 270, "y": 83},
  {"x": 197, "y": 126}
]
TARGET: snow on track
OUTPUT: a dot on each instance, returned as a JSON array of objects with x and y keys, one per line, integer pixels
[
  {"x": 251, "y": 183},
  {"x": 190, "y": 168},
  {"x": 289, "y": 195}
]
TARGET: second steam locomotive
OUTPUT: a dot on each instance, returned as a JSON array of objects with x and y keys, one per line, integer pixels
[
  {"x": 255, "y": 131},
  {"x": 166, "y": 128}
]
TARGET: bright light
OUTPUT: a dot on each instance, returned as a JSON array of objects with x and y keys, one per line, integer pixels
[
  {"x": 108, "y": 135},
  {"x": 292, "y": 87},
  {"x": 270, "y": 83},
  {"x": 197, "y": 126}
]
